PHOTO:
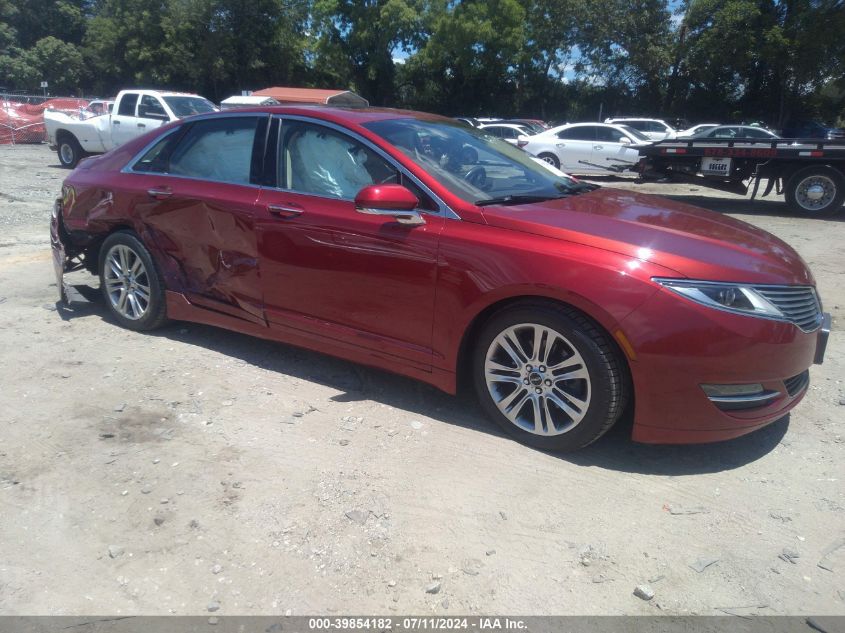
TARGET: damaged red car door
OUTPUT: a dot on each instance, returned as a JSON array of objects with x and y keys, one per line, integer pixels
[{"x": 203, "y": 213}]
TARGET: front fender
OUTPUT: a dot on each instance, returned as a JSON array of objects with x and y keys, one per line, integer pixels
[{"x": 478, "y": 272}]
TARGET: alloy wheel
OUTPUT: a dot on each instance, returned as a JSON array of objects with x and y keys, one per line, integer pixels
[
  {"x": 538, "y": 379},
  {"x": 127, "y": 282}
]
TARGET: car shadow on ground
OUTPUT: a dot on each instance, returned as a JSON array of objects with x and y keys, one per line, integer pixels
[
  {"x": 700, "y": 196},
  {"x": 356, "y": 383}
]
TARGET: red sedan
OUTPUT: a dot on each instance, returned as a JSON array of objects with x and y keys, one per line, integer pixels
[{"x": 415, "y": 244}]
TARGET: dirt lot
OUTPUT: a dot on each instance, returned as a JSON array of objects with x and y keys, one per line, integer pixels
[{"x": 195, "y": 468}]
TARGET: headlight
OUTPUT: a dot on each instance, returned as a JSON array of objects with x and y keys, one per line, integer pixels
[{"x": 723, "y": 296}]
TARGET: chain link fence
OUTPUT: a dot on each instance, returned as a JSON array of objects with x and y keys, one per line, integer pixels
[{"x": 22, "y": 115}]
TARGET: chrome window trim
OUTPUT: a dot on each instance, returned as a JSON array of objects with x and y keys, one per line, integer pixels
[
  {"x": 442, "y": 208},
  {"x": 129, "y": 167}
]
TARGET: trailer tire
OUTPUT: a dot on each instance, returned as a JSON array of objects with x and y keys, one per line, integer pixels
[
  {"x": 816, "y": 191},
  {"x": 70, "y": 151}
]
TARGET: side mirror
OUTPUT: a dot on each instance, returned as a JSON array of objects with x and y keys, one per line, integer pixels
[
  {"x": 389, "y": 200},
  {"x": 144, "y": 112},
  {"x": 624, "y": 140}
]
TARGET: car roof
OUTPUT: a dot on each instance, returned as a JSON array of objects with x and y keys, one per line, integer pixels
[
  {"x": 335, "y": 114},
  {"x": 497, "y": 124},
  {"x": 633, "y": 118}
]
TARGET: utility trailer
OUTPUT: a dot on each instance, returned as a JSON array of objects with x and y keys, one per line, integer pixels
[{"x": 809, "y": 172}]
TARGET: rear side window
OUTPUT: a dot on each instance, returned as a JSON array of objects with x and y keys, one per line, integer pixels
[
  {"x": 127, "y": 104},
  {"x": 583, "y": 133},
  {"x": 216, "y": 149},
  {"x": 155, "y": 161}
]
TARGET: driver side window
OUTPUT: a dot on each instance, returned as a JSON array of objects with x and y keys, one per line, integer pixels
[
  {"x": 150, "y": 107},
  {"x": 317, "y": 160}
]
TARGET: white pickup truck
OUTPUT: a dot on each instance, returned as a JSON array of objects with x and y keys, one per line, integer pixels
[{"x": 135, "y": 112}]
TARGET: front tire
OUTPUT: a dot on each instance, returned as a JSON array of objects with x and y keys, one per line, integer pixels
[
  {"x": 816, "y": 191},
  {"x": 548, "y": 376},
  {"x": 130, "y": 283},
  {"x": 70, "y": 151}
]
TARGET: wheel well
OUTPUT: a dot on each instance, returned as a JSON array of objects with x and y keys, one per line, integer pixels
[
  {"x": 464, "y": 378},
  {"x": 63, "y": 134},
  {"x": 92, "y": 250}
]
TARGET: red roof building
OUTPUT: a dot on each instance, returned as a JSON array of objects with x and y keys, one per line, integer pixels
[{"x": 313, "y": 95}]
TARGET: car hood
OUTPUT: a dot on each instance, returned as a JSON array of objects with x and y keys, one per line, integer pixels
[{"x": 694, "y": 242}]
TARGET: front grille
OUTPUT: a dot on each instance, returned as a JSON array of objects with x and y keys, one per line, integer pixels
[
  {"x": 799, "y": 304},
  {"x": 797, "y": 384}
]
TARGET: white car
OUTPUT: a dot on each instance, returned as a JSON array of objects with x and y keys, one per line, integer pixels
[
  {"x": 655, "y": 129},
  {"x": 695, "y": 129},
  {"x": 135, "y": 112},
  {"x": 588, "y": 148},
  {"x": 509, "y": 132}
]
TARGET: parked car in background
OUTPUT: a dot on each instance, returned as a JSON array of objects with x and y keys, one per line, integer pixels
[
  {"x": 655, "y": 129},
  {"x": 811, "y": 129},
  {"x": 736, "y": 131},
  {"x": 535, "y": 126},
  {"x": 695, "y": 129},
  {"x": 246, "y": 101},
  {"x": 365, "y": 234},
  {"x": 510, "y": 132},
  {"x": 588, "y": 148},
  {"x": 468, "y": 120},
  {"x": 678, "y": 123},
  {"x": 135, "y": 112}
]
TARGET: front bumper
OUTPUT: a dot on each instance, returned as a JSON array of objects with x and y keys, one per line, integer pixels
[{"x": 680, "y": 346}]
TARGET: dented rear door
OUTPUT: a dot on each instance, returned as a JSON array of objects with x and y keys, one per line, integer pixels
[{"x": 201, "y": 213}]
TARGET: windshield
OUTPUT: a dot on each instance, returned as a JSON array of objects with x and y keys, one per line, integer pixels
[
  {"x": 188, "y": 106},
  {"x": 471, "y": 163},
  {"x": 636, "y": 134}
]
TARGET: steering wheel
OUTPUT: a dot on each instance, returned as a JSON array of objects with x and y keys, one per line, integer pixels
[
  {"x": 469, "y": 156},
  {"x": 476, "y": 176}
]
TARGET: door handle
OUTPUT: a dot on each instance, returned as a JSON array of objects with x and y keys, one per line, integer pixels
[
  {"x": 598, "y": 146},
  {"x": 560, "y": 144},
  {"x": 160, "y": 193},
  {"x": 284, "y": 211},
  {"x": 142, "y": 125},
  {"x": 115, "y": 122}
]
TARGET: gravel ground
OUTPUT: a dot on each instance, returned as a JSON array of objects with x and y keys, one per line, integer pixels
[{"x": 196, "y": 470}]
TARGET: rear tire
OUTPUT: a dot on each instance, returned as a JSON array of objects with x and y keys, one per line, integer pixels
[
  {"x": 70, "y": 151},
  {"x": 548, "y": 376},
  {"x": 816, "y": 191},
  {"x": 130, "y": 283},
  {"x": 551, "y": 159}
]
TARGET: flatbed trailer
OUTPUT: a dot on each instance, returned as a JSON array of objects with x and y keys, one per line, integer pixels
[{"x": 809, "y": 172}]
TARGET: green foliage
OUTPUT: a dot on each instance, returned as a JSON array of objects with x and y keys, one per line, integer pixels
[
  {"x": 555, "y": 59},
  {"x": 355, "y": 40}
]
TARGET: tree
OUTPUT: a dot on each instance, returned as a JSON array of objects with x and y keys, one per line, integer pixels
[
  {"x": 760, "y": 58},
  {"x": 355, "y": 40},
  {"x": 51, "y": 60},
  {"x": 467, "y": 65}
]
